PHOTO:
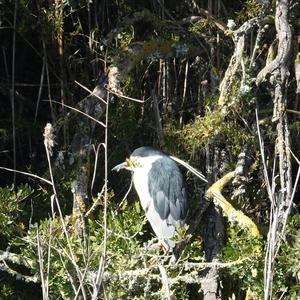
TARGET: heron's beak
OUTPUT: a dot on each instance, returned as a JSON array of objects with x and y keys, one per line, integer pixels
[
  {"x": 117, "y": 168},
  {"x": 129, "y": 164}
]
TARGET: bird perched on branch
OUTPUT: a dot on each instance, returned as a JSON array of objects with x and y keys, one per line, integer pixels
[{"x": 160, "y": 187}]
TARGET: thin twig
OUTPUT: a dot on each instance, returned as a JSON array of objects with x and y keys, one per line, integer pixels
[
  {"x": 28, "y": 174},
  {"x": 158, "y": 121},
  {"x": 184, "y": 90},
  {"x": 40, "y": 89},
  {"x": 100, "y": 272},
  {"x": 125, "y": 196},
  {"x": 96, "y": 151},
  {"x": 49, "y": 256},
  {"x": 48, "y": 81},
  {"x": 190, "y": 168},
  {"x": 71, "y": 280},
  {"x": 262, "y": 151},
  {"x": 286, "y": 214},
  {"x": 91, "y": 92},
  {"x": 165, "y": 281},
  {"x": 77, "y": 110},
  {"x": 41, "y": 265},
  {"x": 13, "y": 116},
  {"x": 125, "y": 97},
  {"x": 96, "y": 202}
]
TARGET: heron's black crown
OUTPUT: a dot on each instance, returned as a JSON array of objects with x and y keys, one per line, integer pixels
[{"x": 147, "y": 151}]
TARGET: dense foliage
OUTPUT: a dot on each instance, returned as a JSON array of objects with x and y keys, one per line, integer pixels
[{"x": 183, "y": 76}]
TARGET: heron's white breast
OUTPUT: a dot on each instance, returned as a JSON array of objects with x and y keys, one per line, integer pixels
[{"x": 140, "y": 179}]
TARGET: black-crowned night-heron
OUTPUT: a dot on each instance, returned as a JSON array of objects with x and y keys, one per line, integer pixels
[{"x": 159, "y": 184}]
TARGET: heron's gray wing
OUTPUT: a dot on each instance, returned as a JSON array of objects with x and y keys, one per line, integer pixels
[{"x": 167, "y": 190}]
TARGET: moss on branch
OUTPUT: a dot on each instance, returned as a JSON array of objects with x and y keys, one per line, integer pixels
[
  {"x": 153, "y": 50},
  {"x": 233, "y": 215}
]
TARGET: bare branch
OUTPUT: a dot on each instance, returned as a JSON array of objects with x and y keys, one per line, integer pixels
[{"x": 284, "y": 44}]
